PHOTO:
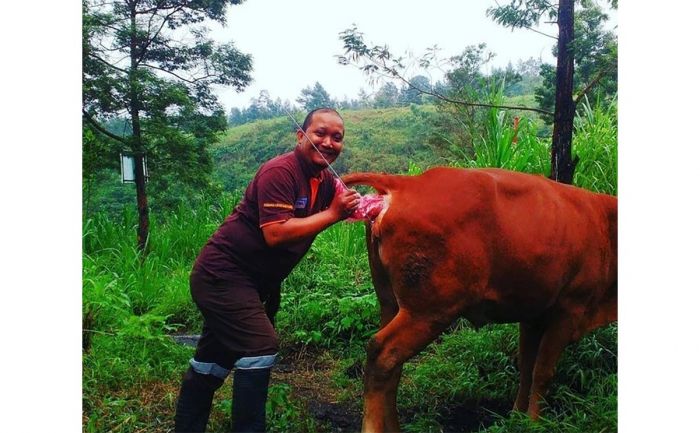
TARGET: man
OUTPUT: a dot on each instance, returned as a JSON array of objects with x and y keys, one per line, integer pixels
[{"x": 235, "y": 281}]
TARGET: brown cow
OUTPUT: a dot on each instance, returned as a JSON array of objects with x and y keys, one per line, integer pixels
[{"x": 492, "y": 246}]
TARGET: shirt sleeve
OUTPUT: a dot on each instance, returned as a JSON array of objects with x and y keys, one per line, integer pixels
[{"x": 276, "y": 195}]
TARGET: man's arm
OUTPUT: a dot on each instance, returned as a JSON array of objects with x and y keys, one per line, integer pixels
[{"x": 295, "y": 229}]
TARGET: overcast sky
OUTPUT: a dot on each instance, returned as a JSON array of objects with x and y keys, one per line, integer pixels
[{"x": 293, "y": 43}]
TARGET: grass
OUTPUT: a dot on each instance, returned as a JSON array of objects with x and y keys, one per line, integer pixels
[
  {"x": 595, "y": 143},
  {"x": 131, "y": 303}
]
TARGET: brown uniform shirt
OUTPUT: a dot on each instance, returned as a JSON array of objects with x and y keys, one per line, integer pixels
[{"x": 283, "y": 187}]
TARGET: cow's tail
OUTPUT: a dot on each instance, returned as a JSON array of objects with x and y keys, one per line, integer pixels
[{"x": 383, "y": 183}]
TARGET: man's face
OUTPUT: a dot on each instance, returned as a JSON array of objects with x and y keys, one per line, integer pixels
[{"x": 326, "y": 131}]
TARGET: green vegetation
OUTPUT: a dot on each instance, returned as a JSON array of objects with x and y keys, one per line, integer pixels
[
  {"x": 467, "y": 381},
  {"x": 595, "y": 143}
]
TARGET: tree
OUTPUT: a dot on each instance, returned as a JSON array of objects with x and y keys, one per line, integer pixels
[
  {"x": 235, "y": 116},
  {"x": 386, "y": 96},
  {"x": 363, "y": 99},
  {"x": 597, "y": 47},
  {"x": 314, "y": 97},
  {"x": 262, "y": 107},
  {"x": 409, "y": 93},
  {"x": 151, "y": 62},
  {"x": 510, "y": 78},
  {"x": 563, "y": 165},
  {"x": 595, "y": 60},
  {"x": 529, "y": 71}
]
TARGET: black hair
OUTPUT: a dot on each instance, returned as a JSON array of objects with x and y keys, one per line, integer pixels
[{"x": 307, "y": 120}]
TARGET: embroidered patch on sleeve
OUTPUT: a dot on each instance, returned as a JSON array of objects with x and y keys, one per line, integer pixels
[
  {"x": 279, "y": 205},
  {"x": 301, "y": 203}
]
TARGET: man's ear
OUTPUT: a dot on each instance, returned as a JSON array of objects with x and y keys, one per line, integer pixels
[{"x": 300, "y": 135}]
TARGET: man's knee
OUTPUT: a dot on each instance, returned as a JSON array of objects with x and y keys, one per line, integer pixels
[{"x": 263, "y": 349}]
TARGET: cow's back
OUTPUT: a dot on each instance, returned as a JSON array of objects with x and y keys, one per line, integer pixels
[{"x": 504, "y": 246}]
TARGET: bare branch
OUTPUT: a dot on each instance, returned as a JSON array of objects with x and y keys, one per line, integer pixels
[
  {"x": 392, "y": 73},
  {"x": 101, "y": 60},
  {"x": 593, "y": 82},
  {"x": 155, "y": 35},
  {"x": 474, "y": 104},
  {"x": 101, "y": 129},
  {"x": 191, "y": 81},
  {"x": 542, "y": 33}
]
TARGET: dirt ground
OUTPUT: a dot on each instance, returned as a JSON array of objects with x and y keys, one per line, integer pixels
[{"x": 310, "y": 376}]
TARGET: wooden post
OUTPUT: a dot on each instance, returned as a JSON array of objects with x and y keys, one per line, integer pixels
[{"x": 141, "y": 201}]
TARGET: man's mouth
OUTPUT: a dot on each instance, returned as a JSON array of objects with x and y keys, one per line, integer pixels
[{"x": 328, "y": 155}]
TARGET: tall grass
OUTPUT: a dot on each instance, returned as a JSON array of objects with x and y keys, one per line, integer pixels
[
  {"x": 510, "y": 147},
  {"x": 595, "y": 143},
  {"x": 117, "y": 273},
  {"x": 502, "y": 144}
]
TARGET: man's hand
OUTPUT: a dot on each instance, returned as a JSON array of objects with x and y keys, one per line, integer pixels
[{"x": 344, "y": 203}]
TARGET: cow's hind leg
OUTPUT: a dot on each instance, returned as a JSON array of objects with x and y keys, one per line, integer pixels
[
  {"x": 391, "y": 416},
  {"x": 388, "y": 310},
  {"x": 398, "y": 341},
  {"x": 530, "y": 336},
  {"x": 558, "y": 333},
  {"x": 382, "y": 283}
]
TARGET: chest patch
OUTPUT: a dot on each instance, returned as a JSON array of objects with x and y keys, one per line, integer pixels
[{"x": 301, "y": 203}]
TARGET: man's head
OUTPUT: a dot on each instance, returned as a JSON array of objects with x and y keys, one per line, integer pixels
[{"x": 325, "y": 128}]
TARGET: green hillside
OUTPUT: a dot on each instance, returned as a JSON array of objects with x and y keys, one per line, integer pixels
[{"x": 375, "y": 140}]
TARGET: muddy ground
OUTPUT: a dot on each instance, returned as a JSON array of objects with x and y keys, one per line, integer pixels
[{"x": 311, "y": 377}]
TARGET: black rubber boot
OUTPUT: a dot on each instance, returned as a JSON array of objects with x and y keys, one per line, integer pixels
[
  {"x": 249, "y": 397},
  {"x": 194, "y": 402}
]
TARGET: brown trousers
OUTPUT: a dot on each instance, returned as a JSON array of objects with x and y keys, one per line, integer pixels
[{"x": 236, "y": 323}]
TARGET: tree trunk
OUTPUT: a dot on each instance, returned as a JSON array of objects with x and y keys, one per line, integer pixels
[
  {"x": 564, "y": 107},
  {"x": 137, "y": 142}
]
